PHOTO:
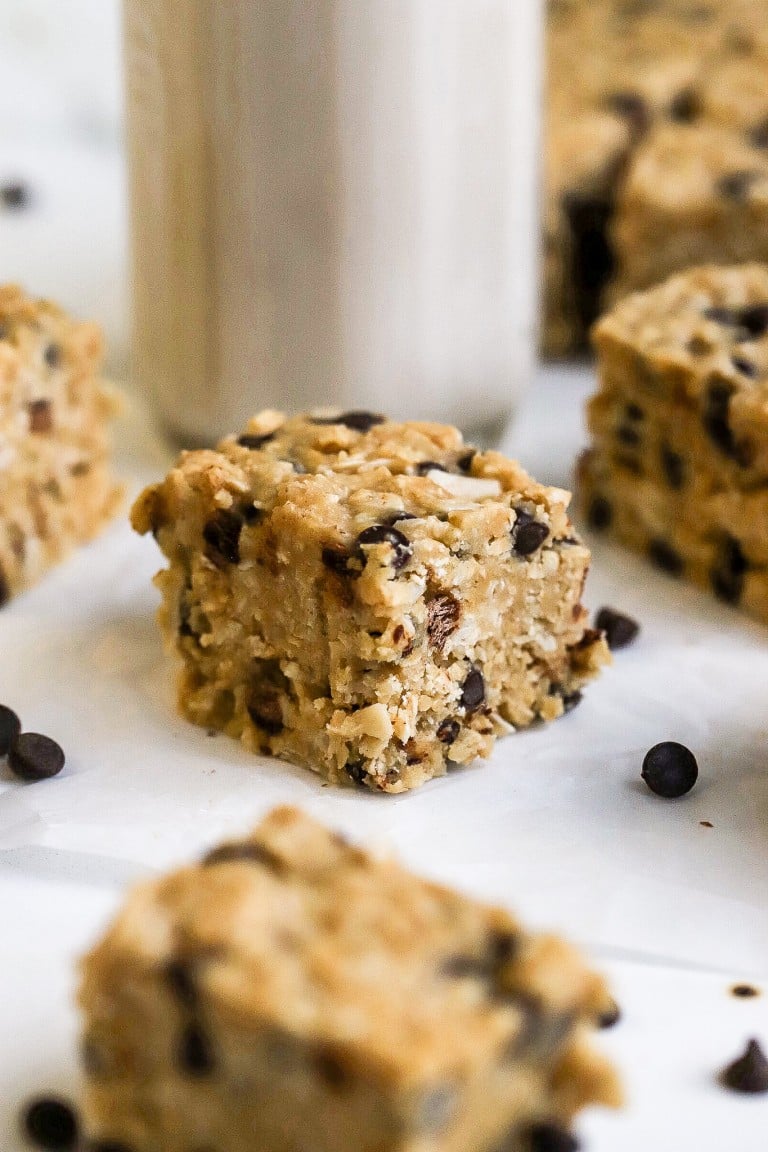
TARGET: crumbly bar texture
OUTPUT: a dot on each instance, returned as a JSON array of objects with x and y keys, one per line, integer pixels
[
  {"x": 374, "y": 600},
  {"x": 294, "y": 992},
  {"x": 56, "y": 485},
  {"x": 678, "y": 463},
  {"x": 657, "y": 149}
]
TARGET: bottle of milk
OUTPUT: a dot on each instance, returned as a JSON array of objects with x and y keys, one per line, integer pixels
[{"x": 333, "y": 204}]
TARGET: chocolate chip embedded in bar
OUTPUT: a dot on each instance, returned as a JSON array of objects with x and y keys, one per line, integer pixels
[
  {"x": 397, "y": 602},
  {"x": 695, "y": 499},
  {"x": 336, "y": 1002}
]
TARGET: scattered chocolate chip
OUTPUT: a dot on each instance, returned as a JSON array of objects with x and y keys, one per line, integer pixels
[
  {"x": 357, "y": 421},
  {"x": 685, "y": 106},
  {"x": 716, "y": 416},
  {"x": 721, "y": 315},
  {"x": 706, "y": 824},
  {"x": 51, "y": 1123},
  {"x": 52, "y": 355},
  {"x": 195, "y": 1054},
  {"x": 572, "y": 700},
  {"x": 254, "y": 442},
  {"x": 222, "y": 535},
  {"x": 664, "y": 556},
  {"x": 631, "y": 463},
  {"x": 40, "y": 415},
  {"x": 395, "y": 517},
  {"x": 464, "y": 463},
  {"x": 758, "y": 135},
  {"x": 634, "y": 412},
  {"x": 35, "y": 757},
  {"x": 251, "y": 514},
  {"x": 243, "y": 852},
  {"x": 745, "y": 367},
  {"x": 443, "y": 615},
  {"x": 744, "y": 991},
  {"x": 748, "y": 1074},
  {"x": 670, "y": 769},
  {"x": 673, "y": 467},
  {"x": 727, "y": 577},
  {"x": 331, "y": 1069},
  {"x": 10, "y": 728},
  {"x": 631, "y": 107},
  {"x": 599, "y": 513},
  {"x": 181, "y": 978},
  {"x": 355, "y": 769},
  {"x": 265, "y": 708},
  {"x": 528, "y": 533},
  {"x": 448, "y": 731},
  {"x": 337, "y": 560},
  {"x": 14, "y": 194},
  {"x": 551, "y": 1138},
  {"x": 625, "y": 434},
  {"x": 736, "y": 185},
  {"x": 503, "y": 946},
  {"x": 755, "y": 319},
  {"x": 592, "y": 258},
  {"x": 402, "y": 550},
  {"x": 426, "y": 466},
  {"x": 473, "y": 691},
  {"x": 620, "y": 630},
  {"x": 610, "y": 1017}
]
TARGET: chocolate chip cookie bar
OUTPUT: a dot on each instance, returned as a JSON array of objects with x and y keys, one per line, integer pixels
[
  {"x": 56, "y": 486},
  {"x": 291, "y": 991},
  {"x": 374, "y": 600},
  {"x": 678, "y": 466}
]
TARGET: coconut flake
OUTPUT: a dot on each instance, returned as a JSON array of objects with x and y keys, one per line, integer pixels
[{"x": 468, "y": 487}]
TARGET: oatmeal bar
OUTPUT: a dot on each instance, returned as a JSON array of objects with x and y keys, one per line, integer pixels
[
  {"x": 374, "y": 600},
  {"x": 56, "y": 487},
  {"x": 294, "y": 992},
  {"x": 679, "y": 457}
]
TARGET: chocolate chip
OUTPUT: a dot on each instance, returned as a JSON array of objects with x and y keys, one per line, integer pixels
[
  {"x": 464, "y": 463},
  {"x": 429, "y": 466},
  {"x": 337, "y": 560},
  {"x": 670, "y": 769},
  {"x": 473, "y": 691},
  {"x": 330, "y": 1068},
  {"x": 746, "y": 367},
  {"x": 35, "y": 757},
  {"x": 51, "y": 1123},
  {"x": 620, "y": 630},
  {"x": 572, "y": 700},
  {"x": 222, "y": 535},
  {"x": 685, "y": 106},
  {"x": 443, "y": 616},
  {"x": 673, "y": 467},
  {"x": 599, "y": 513},
  {"x": 52, "y": 355},
  {"x": 727, "y": 577},
  {"x": 758, "y": 135},
  {"x": 610, "y": 1017},
  {"x": 251, "y": 514},
  {"x": 748, "y": 1074},
  {"x": 355, "y": 769},
  {"x": 632, "y": 107},
  {"x": 744, "y": 991},
  {"x": 634, "y": 412},
  {"x": 448, "y": 731},
  {"x": 394, "y": 517},
  {"x": 10, "y": 728},
  {"x": 266, "y": 711},
  {"x": 736, "y": 186},
  {"x": 181, "y": 978},
  {"x": 755, "y": 319},
  {"x": 592, "y": 260},
  {"x": 664, "y": 556},
  {"x": 40, "y": 415},
  {"x": 14, "y": 194},
  {"x": 402, "y": 551},
  {"x": 250, "y": 440},
  {"x": 243, "y": 852},
  {"x": 721, "y": 315},
  {"x": 503, "y": 946},
  {"x": 357, "y": 421},
  {"x": 551, "y": 1138},
  {"x": 195, "y": 1053},
  {"x": 528, "y": 533},
  {"x": 625, "y": 434}
]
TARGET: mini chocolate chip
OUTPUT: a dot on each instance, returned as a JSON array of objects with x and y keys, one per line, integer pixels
[
  {"x": 243, "y": 852},
  {"x": 10, "y": 728},
  {"x": 625, "y": 434},
  {"x": 265, "y": 710},
  {"x": 632, "y": 107},
  {"x": 736, "y": 185},
  {"x": 503, "y": 946},
  {"x": 727, "y": 577},
  {"x": 182, "y": 981},
  {"x": 355, "y": 769},
  {"x": 610, "y": 1017},
  {"x": 754, "y": 318},
  {"x": 664, "y": 556},
  {"x": 251, "y": 514},
  {"x": 721, "y": 315},
  {"x": 746, "y": 367},
  {"x": 673, "y": 467},
  {"x": 744, "y": 991},
  {"x": 337, "y": 560},
  {"x": 448, "y": 731},
  {"x": 330, "y": 1068},
  {"x": 685, "y": 106},
  {"x": 254, "y": 442},
  {"x": 572, "y": 700},
  {"x": 402, "y": 551},
  {"x": 394, "y": 517},
  {"x": 599, "y": 513},
  {"x": 195, "y": 1054},
  {"x": 443, "y": 615},
  {"x": 748, "y": 1074},
  {"x": 51, "y": 1123},
  {"x": 620, "y": 630},
  {"x": 357, "y": 421},
  {"x": 464, "y": 463},
  {"x": 634, "y": 412},
  {"x": 551, "y": 1138},
  {"x": 528, "y": 534},
  {"x": 40, "y": 415},
  {"x": 222, "y": 535},
  {"x": 460, "y": 967},
  {"x": 429, "y": 466},
  {"x": 14, "y": 194},
  {"x": 473, "y": 691},
  {"x": 52, "y": 355},
  {"x": 35, "y": 757},
  {"x": 758, "y": 135},
  {"x": 592, "y": 259},
  {"x": 670, "y": 769}
]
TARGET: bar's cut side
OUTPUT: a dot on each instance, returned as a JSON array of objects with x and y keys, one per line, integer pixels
[
  {"x": 56, "y": 485},
  {"x": 294, "y": 992},
  {"x": 678, "y": 466},
  {"x": 374, "y": 600}
]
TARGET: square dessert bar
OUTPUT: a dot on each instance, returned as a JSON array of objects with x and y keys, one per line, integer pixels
[
  {"x": 292, "y": 992},
  {"x": 56, "y": 486},
  {"x": 374, "y": 600},
  {"x": 678, "y": 466}
]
